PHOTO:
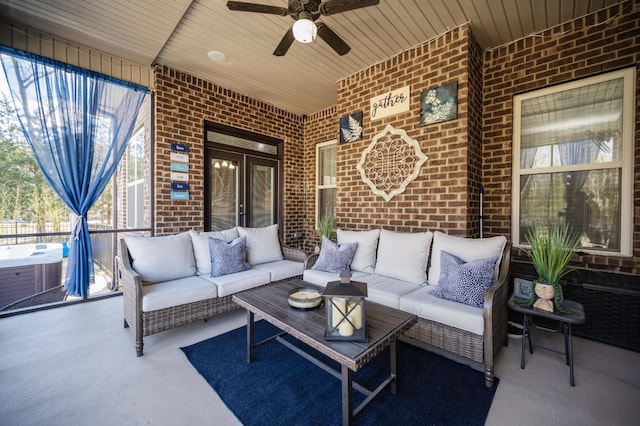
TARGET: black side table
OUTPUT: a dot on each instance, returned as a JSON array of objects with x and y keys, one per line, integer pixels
[{"x": 565, "y": 321}]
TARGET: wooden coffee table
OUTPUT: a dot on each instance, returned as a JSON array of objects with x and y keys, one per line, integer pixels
[{"x": 384, "y": 325}]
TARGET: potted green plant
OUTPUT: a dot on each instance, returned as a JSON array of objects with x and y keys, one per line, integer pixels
[
  {"x": 551, "y": 250},
  {"x": 326, "y": 228}
]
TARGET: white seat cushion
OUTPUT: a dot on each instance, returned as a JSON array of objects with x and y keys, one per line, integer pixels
[
  {"x": 467, "y": 249},
  {"x": 200, "y": 241},
  {"x": 404, "y": 255},
  {"x": 321, "y": 278},
  {"x": 263, "y": 244},
  {"x": 239, "y": 281},
  {"x": 365, "y": 258},
  {"x": 428, "y": 306},
  {"x": 165, "y": 258},
  {"x": 281, "y": 269},
  {"x": 176, "y": 292},
  {"x": 386, "y": 291}
]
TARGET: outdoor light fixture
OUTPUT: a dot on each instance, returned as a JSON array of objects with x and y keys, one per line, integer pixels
[
  {"x": 217, "y": 56},
  {"x": 304, "y": 29},
  {"x": 344, "y": 301}
]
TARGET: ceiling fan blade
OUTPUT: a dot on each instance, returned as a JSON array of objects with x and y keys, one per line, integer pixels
[
  {"x": 260, "y": 8},
  {"x": 284, "y": 44},
  {"x": 332, "y": 7},
  {"x": 332, "y": 39}
]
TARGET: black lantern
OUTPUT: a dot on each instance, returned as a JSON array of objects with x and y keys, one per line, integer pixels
[{"x": 344, "y": 300}]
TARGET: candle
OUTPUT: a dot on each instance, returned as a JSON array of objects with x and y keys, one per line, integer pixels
[
  {"x": 338, "y": 309},
  {"x": 355, "y": 316},
  {"x": 345, "y": 329}
]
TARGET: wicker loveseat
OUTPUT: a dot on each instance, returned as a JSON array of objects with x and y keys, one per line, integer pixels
[
  {"x": 166, "y": 281},
  {"x": 402, "y": 270}
]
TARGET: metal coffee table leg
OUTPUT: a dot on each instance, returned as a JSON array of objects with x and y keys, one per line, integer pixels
[
  {"x": 250, "y": 345},
  {"x": 347, "y": 404}
]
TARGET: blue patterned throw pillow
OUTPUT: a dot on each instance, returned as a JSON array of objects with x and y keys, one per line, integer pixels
[
  {"x": 464, "y": 282},
  {"x": 227, "y": 258},
  {"x": 334, "y": 257}
]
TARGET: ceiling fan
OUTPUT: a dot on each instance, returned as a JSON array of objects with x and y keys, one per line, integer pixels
[{"x": 306, "y": 12}]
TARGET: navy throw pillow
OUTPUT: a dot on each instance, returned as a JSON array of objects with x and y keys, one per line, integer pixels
[
  {"x": 334, "y": 257},
  {"x": 464, "y": 282},
  {"x": 228, "y": 258}
]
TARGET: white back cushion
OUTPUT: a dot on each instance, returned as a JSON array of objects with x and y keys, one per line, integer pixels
[
  {"x": 159, "y": 259},
  {"x": 467, "y": 249},
  {"x": 365, "y": 258},
  {"x": 404, "y": 255},
  {"x": 263, "y": 244},
  {"x": 200, "y": 241}
]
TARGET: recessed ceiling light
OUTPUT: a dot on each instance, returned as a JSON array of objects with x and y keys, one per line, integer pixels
[{"x": 216, "y": 56}]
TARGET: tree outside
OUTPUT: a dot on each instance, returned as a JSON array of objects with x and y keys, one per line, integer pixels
[{"x": 27, "y": 203}]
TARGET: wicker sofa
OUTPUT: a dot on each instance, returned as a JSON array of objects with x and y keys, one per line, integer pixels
[
  {"x": 167, "y": 281},
  {"x": 402, "y": 270}
]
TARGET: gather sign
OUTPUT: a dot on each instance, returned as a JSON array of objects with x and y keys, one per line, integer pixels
[{"x": 391, "y": 103}]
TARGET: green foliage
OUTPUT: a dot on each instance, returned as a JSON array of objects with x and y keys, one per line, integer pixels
[
  {"x": 327, "y": 227},
  {"x": 525, "y": 302},
  {"x": 24, "y": 193},
  {"x": 551, "y": 250}
]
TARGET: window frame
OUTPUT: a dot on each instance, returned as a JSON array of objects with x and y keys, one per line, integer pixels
[
  {"x": 625, "y": 164},
  {"x": 318, "y": 185}
]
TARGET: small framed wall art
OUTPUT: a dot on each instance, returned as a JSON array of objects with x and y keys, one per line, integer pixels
[
  {"x": 439, "y": 104},
  {"x": 351, "y": 127}
]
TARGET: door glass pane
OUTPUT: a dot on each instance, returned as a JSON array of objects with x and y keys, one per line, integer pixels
[
  {"x": 243, "y": 143},
  {"x": 262, "y": 193},
  {"x": 224, "y": 194}
]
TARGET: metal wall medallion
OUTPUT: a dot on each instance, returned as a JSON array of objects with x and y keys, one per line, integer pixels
[{"x": 391, "y": 162}]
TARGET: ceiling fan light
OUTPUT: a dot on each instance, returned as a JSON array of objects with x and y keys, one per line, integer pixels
[{"x": 305, "y": 30}]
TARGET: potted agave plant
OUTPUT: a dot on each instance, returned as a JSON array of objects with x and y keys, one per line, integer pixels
[
  {"x": 551, "y": 250},
  {"x": 326, "y": 228}
]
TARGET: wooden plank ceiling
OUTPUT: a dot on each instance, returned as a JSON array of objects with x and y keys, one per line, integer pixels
[{"x": 180, "y": 33}]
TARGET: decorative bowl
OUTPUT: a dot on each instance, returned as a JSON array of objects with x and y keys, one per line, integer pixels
[{"x": 304, "y": 298}]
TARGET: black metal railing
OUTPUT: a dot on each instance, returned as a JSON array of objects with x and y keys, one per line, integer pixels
[{"x": 104, "y": 242}]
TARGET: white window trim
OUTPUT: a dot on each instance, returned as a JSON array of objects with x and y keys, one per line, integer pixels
[
  {"x": 628, "y": 122},
  {"x": 319, "y": 146}
]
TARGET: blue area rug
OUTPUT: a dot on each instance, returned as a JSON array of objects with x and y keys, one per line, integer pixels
[{"x": 282, "y": 388}]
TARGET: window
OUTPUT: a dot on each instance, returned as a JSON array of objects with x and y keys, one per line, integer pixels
[
  {"x": 573, "y": 161},
  {"x": 31, "y": 214},
  {"x": 135, "y": 180},
  {"x": 325, "y": 180}
]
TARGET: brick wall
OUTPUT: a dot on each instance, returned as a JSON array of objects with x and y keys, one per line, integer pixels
[
  {"x": 183, "y": 103},
  {"x": 321, "y": 126},
  {"x": 444, "y": 196},
  {"x": 594, "y": 44},
  {"x": 463, "y": 153}
]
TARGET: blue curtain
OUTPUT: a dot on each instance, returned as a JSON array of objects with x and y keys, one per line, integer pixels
[{"x": 78, "y": 124}]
